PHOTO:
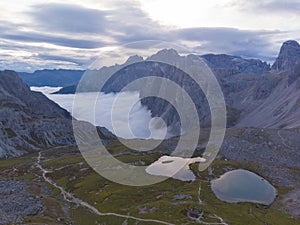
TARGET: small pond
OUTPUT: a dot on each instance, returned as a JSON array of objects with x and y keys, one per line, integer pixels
[{"x": 243, "y": 186}]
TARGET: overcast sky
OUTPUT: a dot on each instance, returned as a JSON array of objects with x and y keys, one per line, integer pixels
[{"x": 37, "y": 34}]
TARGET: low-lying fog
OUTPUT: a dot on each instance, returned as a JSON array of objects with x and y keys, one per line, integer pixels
[{"x": 139, "y": 119}]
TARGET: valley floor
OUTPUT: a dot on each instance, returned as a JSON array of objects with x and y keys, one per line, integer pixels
[{"x": 58, "y": 187}]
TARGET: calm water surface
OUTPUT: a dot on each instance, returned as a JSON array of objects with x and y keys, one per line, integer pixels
[{"x": 243, "y": 186}]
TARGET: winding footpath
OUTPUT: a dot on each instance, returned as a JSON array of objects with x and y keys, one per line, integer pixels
[
  {"x": 283, "y": 140},
  {"x": 214, "y": 216},
  {"x": 69, "y": 197}
]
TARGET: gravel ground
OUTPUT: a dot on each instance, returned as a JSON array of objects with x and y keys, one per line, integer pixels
[
  {"x": 17, "y": 202},
  {"x": 291, "y": 203}
]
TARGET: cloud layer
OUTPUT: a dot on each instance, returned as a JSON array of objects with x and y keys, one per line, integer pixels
[{"x": 128, "y": 121}]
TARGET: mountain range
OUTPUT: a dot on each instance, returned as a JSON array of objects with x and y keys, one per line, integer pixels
[{"x": 256, "y": 93}]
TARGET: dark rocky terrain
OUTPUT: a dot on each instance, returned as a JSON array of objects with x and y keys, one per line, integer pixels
[{"x": 17, "y": 202}]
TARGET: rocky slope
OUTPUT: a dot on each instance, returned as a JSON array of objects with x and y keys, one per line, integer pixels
[
  {"x": 275, "y": 103},
  {"x": 29, "y": 121},
  {"x": 226, "y": 65},
  {"x": 255, "y": 95}
]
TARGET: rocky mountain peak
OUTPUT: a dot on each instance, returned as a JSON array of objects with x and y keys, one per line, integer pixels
[
  {"x": 170, "y": 54},
  {"x": 291, "y": 43},
  {"x": 134, "y": 59},
  {"x": 228, "y": 64},
  {"x": 289, "y": 56}
]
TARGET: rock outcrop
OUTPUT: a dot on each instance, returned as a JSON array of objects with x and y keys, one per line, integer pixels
[{"x": 289, "y": 56}]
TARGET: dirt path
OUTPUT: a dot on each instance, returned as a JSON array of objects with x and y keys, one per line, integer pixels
[
  {"x": 283, "y": 140},
  {"x": 69, "y": 197}
]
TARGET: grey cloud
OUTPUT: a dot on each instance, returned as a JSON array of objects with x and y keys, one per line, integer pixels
[
  {"x": 218, "y": 33},
  {"x": 61, "y": 58},
  {"x": 245, "y": 43},
  {"x": 147, "y": 44},
  {"x": 290, "y": 6},
  {"x": 68, "y": 18},
  {"x": 270, "y": 6},
  {"x": 11, "y": 32},
  {"x": 60, "y": 41},
  {"x": 133, "y": 24},
  {"x": 126, "y": 23},
  {"x": 135, "y": 34}
]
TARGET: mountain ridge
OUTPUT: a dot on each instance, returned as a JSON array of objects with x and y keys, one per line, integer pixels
[
  {"x": 52, "y": 78},
  {"x": 247, "y": 84}
]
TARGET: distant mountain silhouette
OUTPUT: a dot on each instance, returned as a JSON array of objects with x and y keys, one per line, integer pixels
[{"x": 52, "y": 78}]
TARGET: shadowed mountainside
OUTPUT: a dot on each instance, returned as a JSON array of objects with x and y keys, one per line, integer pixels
[{"x": 29, "y": 121}]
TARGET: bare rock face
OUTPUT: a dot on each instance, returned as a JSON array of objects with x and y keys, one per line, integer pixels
[
  {"x": 14, "y": 91},
  {"x": 134, "y": 59},
  {"x": 255, "y": 95},
  {"x": 223, "y": 65},
  {"x": 288, "y": 57},
  {"x": 29, "y": 121}
]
